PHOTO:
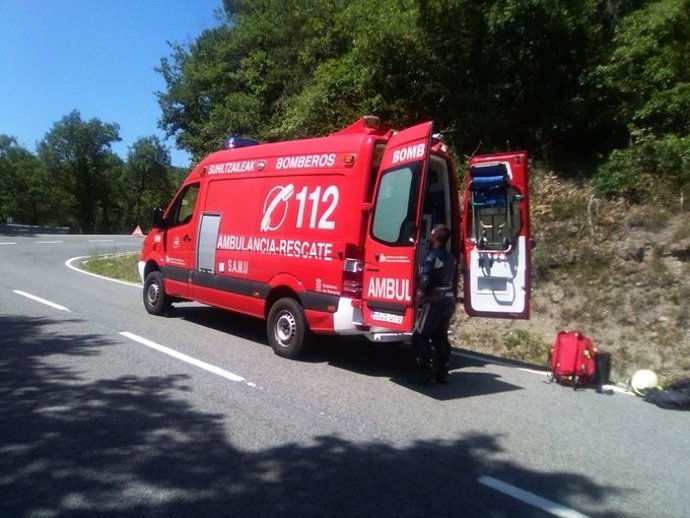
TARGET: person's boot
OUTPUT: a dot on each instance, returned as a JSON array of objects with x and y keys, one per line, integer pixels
[
  {"x": 424, "y": 375},
  {"x": 442, "y": 374}
]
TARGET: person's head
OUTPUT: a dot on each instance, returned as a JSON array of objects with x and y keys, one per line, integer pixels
[{"x": 440, "y": 234}]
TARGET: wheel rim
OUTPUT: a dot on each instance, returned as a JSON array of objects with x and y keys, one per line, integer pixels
[
  {"x": 153, "y": 293},
  {"x": 285, "y": 329}
]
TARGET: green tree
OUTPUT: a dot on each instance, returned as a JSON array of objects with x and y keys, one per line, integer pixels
[
  {"x": 513, "y": 73},
  {"x": 237, "y": 78},
  {"x": 111, "y": 206},
  {"x": 378, "y": 66},
  {"x": 24, "y": 192},
  {"x": 648, "y": 70},
  {"x": 78, "y": 157},
  {"x": 497, "y": 73},
  {"x": 649, "y": 78},
  {"x": 148, "y": 176}
]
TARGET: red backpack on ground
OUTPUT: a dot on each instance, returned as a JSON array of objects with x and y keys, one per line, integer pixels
[{"x": 573, "y": 359}]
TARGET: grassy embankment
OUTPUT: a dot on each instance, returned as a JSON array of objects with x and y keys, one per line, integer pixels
[{"x": 123, "y": 267}]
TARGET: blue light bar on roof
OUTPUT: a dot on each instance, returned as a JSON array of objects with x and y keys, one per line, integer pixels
[{"x": 236, "y": 141}]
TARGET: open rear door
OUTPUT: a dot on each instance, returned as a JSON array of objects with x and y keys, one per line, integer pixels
[
  {"x": 496, "y": 234},
  {"x": 391, "y": 245}
]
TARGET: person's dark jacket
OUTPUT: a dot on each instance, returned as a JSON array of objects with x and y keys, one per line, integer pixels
[{"x": 437, "y": 273}]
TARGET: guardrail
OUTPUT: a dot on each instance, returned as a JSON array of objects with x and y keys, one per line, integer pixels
[{"x": 14, "y": 229}]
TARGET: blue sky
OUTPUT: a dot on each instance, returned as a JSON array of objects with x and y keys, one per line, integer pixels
[{"x": 95, "y": 56}]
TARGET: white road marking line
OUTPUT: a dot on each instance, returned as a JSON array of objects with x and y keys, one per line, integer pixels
[
  {"x": 47, "y": 242},
  {"x": 101, "y": 240},
  {"x": 616, "y": 388},
  {"x": 42, "y": 301},
  {"x": 188, "y": 359},
  {"x": 68, "y": 264},
  {"x": 8, "y": 243},
  {"x": 530, "y": 498}
]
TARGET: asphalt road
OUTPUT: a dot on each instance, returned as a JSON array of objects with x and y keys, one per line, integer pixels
[{"x": 108, "y": 411}]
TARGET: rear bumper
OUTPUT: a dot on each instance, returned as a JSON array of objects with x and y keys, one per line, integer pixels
[{"x": 388, "y": 337}]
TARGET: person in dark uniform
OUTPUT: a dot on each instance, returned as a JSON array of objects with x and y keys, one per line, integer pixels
[{"x": 430, "y": 339}]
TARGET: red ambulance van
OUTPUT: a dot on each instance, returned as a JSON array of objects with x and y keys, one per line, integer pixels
[{"x": 325, "y": 235}]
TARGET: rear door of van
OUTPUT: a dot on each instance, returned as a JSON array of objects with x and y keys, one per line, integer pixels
[
  {"x": 393, "y": 239},
  {"x": 496, "y": 235}
]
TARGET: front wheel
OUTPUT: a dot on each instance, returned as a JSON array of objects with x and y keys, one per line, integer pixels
[
  {"x": 287, "y": 328},
  {"x": 156, "y": 301}
]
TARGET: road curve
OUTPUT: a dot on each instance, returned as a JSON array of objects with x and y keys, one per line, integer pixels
[{"x": 109, "y": 411}]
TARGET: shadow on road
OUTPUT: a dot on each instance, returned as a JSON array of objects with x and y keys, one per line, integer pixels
[
  {"x": 234, "y": 324},
  {"x": 134, "y": 446},
  {"x": 355, "y": 354}
]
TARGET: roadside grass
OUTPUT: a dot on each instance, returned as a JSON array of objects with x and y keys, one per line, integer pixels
[{"x": 121, "y": 266}]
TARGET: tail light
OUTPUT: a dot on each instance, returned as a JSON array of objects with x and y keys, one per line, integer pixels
[{"x": 353, "y": 276}]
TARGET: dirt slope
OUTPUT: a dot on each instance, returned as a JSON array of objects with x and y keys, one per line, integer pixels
[{"x": 618, "y": 273}]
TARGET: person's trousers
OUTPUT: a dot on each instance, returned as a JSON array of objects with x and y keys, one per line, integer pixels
[{"x": 430, "y": 339}]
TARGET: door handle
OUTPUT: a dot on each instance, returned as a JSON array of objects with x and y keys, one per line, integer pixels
[{"x": 186, "y": 238}]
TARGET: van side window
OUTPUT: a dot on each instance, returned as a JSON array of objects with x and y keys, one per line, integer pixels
[
  {"x": 396, "y": 206},
  {"x": 183, "y": 208}
]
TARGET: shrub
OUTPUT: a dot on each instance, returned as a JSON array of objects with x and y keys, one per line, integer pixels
[{"x": 651, "y": 169}]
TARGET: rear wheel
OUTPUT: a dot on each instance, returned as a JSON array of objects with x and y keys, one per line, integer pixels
[
  {"x": 156, "y": 301},
  {"x": 287, "y": 328}
]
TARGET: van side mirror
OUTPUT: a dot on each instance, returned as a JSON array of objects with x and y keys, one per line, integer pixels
[{"x": 157, "y": 217}]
